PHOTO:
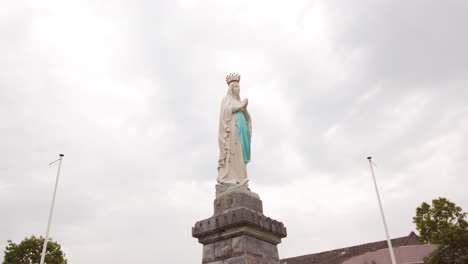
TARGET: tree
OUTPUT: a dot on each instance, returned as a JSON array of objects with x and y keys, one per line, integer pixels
[
  {"x": 444, "y": 224},
  {"x": 29, "y": 252},
  {"x": 453, "y": 249},
  {"x": 435, "y": 222}
]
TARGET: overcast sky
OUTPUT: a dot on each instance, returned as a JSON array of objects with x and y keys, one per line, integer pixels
[{"x": 130, "y": 92}]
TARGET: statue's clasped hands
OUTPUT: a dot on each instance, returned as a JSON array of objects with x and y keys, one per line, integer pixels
[{"x": 245, "y": 102}]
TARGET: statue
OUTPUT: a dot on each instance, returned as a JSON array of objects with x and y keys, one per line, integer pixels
[
  {"x": 238, "y": 231},
  {"x": 235, "y": 128}
]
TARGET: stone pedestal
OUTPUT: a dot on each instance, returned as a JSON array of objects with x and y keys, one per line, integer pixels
[{"x": 239, "y": 232}]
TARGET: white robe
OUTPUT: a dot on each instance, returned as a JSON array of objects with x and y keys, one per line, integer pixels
[{"x": 232, "y": 169}]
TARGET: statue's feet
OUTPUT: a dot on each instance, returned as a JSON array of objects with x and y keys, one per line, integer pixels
[{"x": 223, "y": 188}]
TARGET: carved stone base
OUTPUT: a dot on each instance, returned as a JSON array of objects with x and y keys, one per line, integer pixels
[{"x": 238, "y": 232}]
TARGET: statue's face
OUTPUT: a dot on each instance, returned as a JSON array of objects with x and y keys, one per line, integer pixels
[{"x": 235, "y": 88}]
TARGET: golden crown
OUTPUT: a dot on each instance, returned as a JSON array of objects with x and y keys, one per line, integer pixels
[{"x": 232, "y": 77}]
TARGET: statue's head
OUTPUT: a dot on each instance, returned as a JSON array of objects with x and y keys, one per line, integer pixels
[
  {"x": 234, "y": 88},
  {"x": 233, "y": 80}
]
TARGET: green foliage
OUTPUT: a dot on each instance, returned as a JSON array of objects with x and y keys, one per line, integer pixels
[
  {"x": 29, "y": 252},
  {"x": 453, "y": 249},
  {"x": 438, "y": 222},
  {"x": 443, "y": 223}
]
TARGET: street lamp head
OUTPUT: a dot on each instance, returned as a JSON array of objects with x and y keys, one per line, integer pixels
[
  {"x": 61, "y": 155},
  {"x": 369, "y": 158}
]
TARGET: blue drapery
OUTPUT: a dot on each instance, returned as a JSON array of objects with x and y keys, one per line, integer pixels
[{"x": 244, "y": 135}]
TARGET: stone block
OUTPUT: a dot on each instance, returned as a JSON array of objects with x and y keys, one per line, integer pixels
[
  {"x": 208, "y": 253},
  {"x": 268, "y": 261},
  {"x": 246, "y": 259},
  {"x": 238, "y": 245},
  {"x": 236, "y": 199},
  {"x": 223, "y": 248},
  {"x": 215, "y": 262},
  {"x": 270, "y": 251},
  {"x": 251, "y": 245}
]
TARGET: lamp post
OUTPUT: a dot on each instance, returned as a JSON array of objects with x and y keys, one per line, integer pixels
[
  {"x": 389, "y": 242},
  {"x": 51, "y": 208}
]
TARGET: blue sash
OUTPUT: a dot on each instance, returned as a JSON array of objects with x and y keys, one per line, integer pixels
[{"x": 244, "y": 135}]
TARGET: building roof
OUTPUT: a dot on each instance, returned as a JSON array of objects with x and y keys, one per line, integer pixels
[{"x": 337, "y": 256}]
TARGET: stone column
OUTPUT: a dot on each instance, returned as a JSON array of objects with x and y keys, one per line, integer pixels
[{"x": 239, "y": 232}]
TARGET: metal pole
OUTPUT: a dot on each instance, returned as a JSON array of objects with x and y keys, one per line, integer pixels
[
  {"x": 389, "y": 242},
  {"x": 51, "y": 210}
]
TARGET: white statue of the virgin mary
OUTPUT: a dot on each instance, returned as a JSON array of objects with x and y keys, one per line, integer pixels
[{"x": 235, "y": 128}]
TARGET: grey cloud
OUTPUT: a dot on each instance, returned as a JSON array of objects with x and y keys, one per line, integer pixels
[{"x": 130, "y": 93}]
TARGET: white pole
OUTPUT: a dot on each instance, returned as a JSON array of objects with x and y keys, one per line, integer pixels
[
  {"x": 389, "y": 242},
  {"x": 51, "y": 210}
]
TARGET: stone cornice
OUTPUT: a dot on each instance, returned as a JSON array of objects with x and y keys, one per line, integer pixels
[{"x": 240, "y": 221}]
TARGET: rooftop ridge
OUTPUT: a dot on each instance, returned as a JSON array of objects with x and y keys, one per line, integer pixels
[{"x": 341, "y": 254}]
